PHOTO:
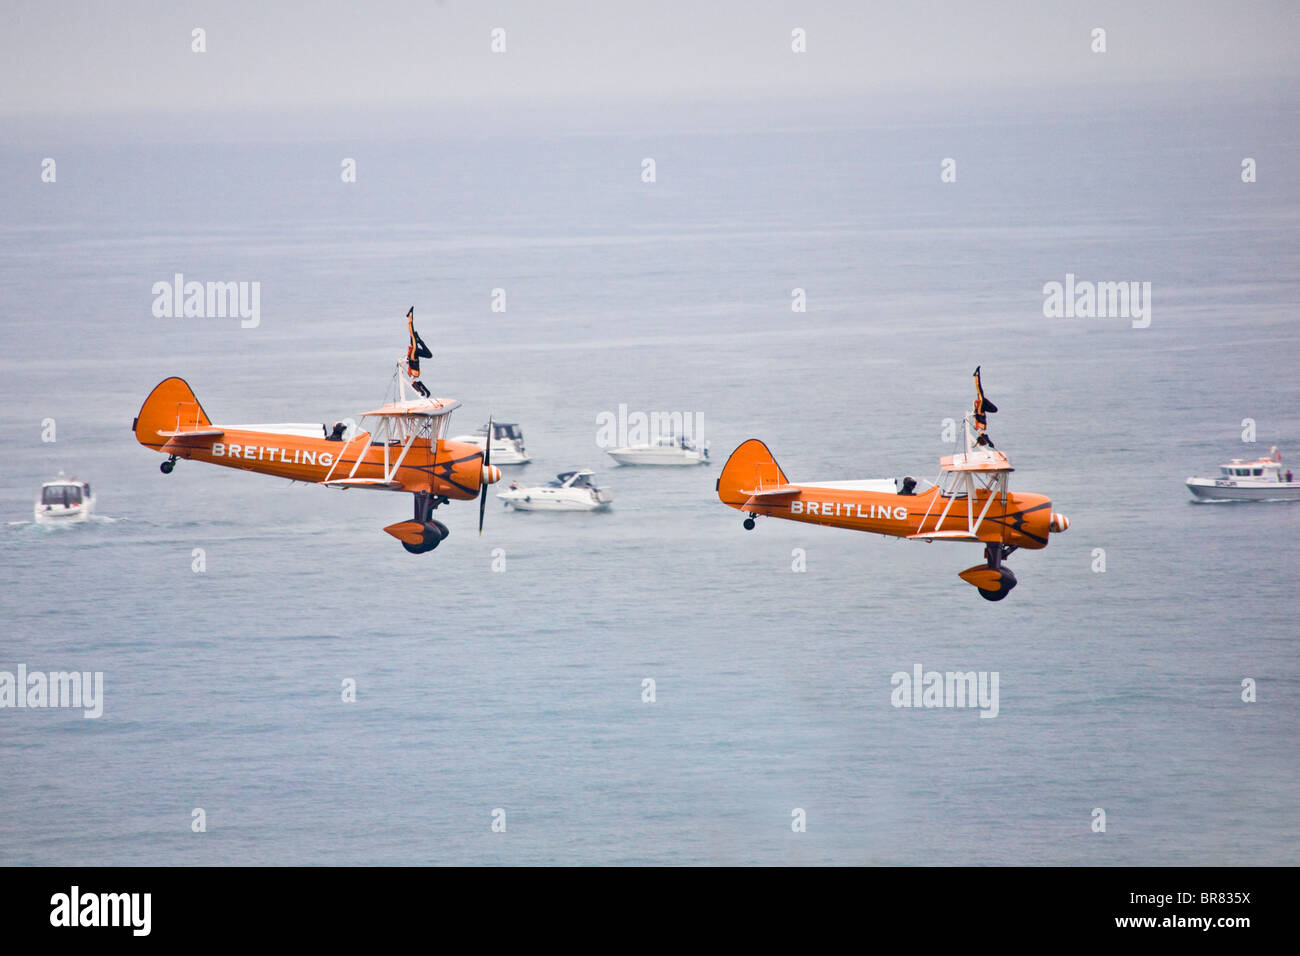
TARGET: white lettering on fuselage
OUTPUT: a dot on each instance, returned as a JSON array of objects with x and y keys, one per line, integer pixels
[
  {"x": 268, "y": 453},
  {"x": 847, "y": 509}
]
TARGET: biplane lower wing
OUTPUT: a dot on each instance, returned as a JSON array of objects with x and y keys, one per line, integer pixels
[
  {"x": 377, "y": 483},
  {"x": 194, "y": 433},
  {"x": 944, "y": 536}
]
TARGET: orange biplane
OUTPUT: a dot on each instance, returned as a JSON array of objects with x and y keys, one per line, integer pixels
[
  {"x": 405, "y": 450},
  {"x": 970, "y": 502}
]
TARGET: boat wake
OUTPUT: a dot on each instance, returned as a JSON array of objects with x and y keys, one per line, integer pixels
[{"x": 54, "y": 527}]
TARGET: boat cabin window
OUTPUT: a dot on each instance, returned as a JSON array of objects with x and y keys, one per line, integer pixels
[
  {"x": 1257, "y": 471},
  {"x": 61, "y": 495}
]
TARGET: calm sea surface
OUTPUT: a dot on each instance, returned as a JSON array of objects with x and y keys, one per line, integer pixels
[{"x": 522, "y": 689}]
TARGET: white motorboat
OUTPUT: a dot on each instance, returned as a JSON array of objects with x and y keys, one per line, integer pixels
[
  {"x": 507, "y": 443},
  {"x": 570, "y": 491},
  {"x": 64, "y": 501},
  {"x": 1261, "y": 480},
  {"x": 665, "y": 450}
]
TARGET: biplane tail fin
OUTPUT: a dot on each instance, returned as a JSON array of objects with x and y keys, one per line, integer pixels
[
  {"x": 170, "y": 408},
  {"x": 751, "y": 467}
]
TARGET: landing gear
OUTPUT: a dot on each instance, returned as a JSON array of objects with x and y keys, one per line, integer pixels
[
  {"x": 1008, "y": 581},
  {"x": 422, "y": 534},
  {"x": 993, "y": 554},
  {"x": 749, "y": 523},
  {"x": 167, "y": 466},
  {"x": 430, "y": 537}
]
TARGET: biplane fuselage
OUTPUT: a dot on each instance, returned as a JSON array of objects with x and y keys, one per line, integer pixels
[
  {"x": 406, "y": 453},
  {"x": 970, "y": 502},
  {"x": 1017, "y": 520},
  {"x": 453, "y": 472}
]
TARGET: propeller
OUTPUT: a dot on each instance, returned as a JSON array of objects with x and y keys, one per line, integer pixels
[{"x": 487, "y": 461}]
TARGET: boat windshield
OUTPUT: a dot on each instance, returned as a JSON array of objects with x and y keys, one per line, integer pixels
[
  {"x": 951, "y": 485},
  {"x": 675, "y": 441},
  {"x": 61, "y": 495}
]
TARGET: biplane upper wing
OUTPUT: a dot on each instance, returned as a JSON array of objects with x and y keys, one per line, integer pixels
[
  {"x": 987, "y": 461},
  {"x": 416, "y": 408}
]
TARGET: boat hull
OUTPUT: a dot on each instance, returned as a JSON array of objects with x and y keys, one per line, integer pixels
[
  {"x": 58, "y": 514},
  {"x": 534, "y": 503},
  {"x": 642, "y": 458},
  {"x": 1212, "y": 489}
]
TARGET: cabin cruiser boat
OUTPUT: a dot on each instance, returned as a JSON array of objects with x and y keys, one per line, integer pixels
[
  {"x": 64, "y": 501},
  {"x": 507, "y": 443},
  {"x": 665, "y": 450},
  {"x": 1262, "y": 480},
  {"x": 570, "y": 491}
]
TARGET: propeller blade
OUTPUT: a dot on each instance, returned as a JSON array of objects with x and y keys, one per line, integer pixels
[{"x": 483, "y": 493}]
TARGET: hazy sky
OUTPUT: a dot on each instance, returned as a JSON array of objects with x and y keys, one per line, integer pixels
[{"x": 97, "y": 57}]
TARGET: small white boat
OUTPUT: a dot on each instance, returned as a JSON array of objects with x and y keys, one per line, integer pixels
[
  {"x": 1261, "y": 480},
  {"x": 665, "y": 450},
  {"x": 507, "y": 443},
  {"x": 64, "y": 501},
  {"x": 570, "y": 491}
]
